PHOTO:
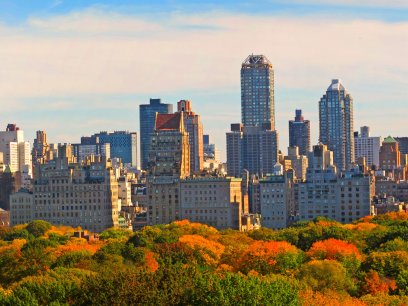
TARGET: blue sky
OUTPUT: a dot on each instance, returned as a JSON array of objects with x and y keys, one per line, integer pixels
[{"x": 73, "y": 68}]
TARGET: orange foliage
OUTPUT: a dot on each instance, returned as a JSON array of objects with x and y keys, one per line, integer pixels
[
  {"x": 225, "y": 268},
  {"x": 367, "y": 219},
  {"x": 182, "y": 223},
  {"x": 270, "y": 249},
  {"x": 198, "y": 242},
  {"x": 329, "y": 297},
  {"x": 15, "y": 245},
  {"x": 75, "y": 244},
  {"x": 266, "y": 251},
  {"x": 326, "y": 223},
  {"x": 61, "y": 230},
  {"x": 375, "y": 285},
  {"x": 362, "y": 227},
  {"x": 333, "y": 249},
  {"x": 400, "y": 215},
  {"x": 151, "y": 262}
]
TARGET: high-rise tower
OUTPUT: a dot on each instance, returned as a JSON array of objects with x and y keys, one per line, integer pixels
[
  {"x": 147, "y": 120},
  {"x": 336, "y": 124},
  {"x": 299, "y": 133},
  {"x": 257, "y": 92}
]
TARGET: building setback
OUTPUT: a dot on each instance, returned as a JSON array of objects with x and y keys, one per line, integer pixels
[
  {"x": 299, "y": 133},
  {"x": 336, "y": 124},
  {"x": 147, "y": 119}
]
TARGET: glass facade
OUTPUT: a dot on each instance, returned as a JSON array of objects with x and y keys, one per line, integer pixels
[
  {"x": 147, "y": 120},
  {"x": 336, "y": 124},
  {"x": 257, "y": 92}
]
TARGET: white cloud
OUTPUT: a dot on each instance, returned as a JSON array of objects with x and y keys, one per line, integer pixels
[{"x": 95, "y": 52}]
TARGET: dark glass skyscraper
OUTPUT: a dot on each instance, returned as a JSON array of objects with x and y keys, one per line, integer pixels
[
  {"x": 257, "y": 92},
  {"x": 147, "y": 120},
  {"x": 299, "y": 133},
  {"x": 336, "y": 124}
]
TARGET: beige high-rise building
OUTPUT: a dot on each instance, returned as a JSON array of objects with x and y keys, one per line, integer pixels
[
  {"x": 194, "y": 127},
  {"x": 169, "y": 161}
]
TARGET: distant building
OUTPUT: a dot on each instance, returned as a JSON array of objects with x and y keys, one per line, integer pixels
[
  {"x": 169, "y": 161},
  {"x": 41, "y": 152},
  {"x": 390, "y": 159},
  {"x": 194, "y": 127},
  {"x": 299, "y": 133},
  {"x": 147, "y": 118},
  {"x": 257, "y": 92},
  {"x": 84, "y": 151},
  {"x": 211, "y": 151},
  {"x": 122, "y": 144},
  {"x": 16, "y": 151},
  {"x": 402, "y": 144},
  {"x": 277, "y": 200},
  {"x": 214, "y": 201},
  {"x": 235, "y": 150},
  {"x": 298, "y": 163},
  {"x": 336, "y": 124},
  {"x": 367, "y": 147},
  {"x": 68, "y": 193},
  {"x": 325, "y": 193}
]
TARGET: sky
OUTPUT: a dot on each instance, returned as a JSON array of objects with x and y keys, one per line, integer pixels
[{"x": 74, "y": 68}]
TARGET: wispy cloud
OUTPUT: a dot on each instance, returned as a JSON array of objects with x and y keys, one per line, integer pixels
[{"x": 96, "y": 53}]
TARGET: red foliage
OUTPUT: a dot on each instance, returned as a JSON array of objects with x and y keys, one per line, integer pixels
[
  {"x": 333, "y": 249},
  {"x": 375, "y": 285},
  {"x": 151, "y": 262}
]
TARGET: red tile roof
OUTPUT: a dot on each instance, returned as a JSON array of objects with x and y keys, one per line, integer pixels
[{"x": 168, "y": 121}]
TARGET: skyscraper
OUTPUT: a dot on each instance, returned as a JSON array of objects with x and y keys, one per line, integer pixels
[
  {"x": 367, "y": 146},
  {"x": 257, "y": 92},
  {"x": 336, "y": 124},
  {"x": 194, "y": 127},
  {"x": 299, "y": 133},
  {"x": 254, "y": 145},
  {"x": 147, "y": 117}
]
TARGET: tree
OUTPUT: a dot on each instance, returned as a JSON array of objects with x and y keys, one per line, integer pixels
[
  {"x": 325, "y": 274},
  {"x": 38, "y": 227}
]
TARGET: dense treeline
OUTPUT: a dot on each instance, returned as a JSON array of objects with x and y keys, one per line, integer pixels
[{"x": 316, "y": 263}]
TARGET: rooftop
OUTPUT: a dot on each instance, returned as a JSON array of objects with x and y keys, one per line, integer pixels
[{"x": 168, "y": 121}]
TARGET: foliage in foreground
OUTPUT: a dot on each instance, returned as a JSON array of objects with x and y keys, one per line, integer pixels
[{"x": 316, "y": 263}]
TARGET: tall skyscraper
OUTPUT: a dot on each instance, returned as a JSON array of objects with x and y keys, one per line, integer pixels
[
  {"x": 257, "y": 92},
  {"x": 299, "y": 133},
  {"x": 194, "y": 127},
  {"x": 367, "y": 146},
  {"x": 336, "y": 124},
  {"x": 147, "y": 119}
]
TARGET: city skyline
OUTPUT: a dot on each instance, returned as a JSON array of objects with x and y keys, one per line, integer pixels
[{"x": 66, "y": 80}]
